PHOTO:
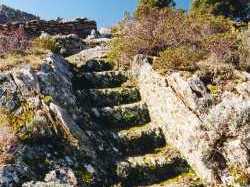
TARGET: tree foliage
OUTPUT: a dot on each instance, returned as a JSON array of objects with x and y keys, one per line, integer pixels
[
  {"x": 157, "y": 3},
  {"x": 237, "y": 10},
  {"x": 13, "y": 41},
  {"x": 144, "y": 5},
  {"x": 168, "y": 32}
]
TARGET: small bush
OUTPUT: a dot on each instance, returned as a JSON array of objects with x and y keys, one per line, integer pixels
[
  {"x": 223, "y": 45},
  {"x": 245, "y": 51},
  {"x": 8, "y": 140},
  {"x": 117, "y": 50},
  {"x": 46, "y": 42},
  {"x": 212, "y": 71},
  {"x": 179, "y": 39},
  {"x": 15, "y": 41},
  {"x": 19, "y": 124},
  {"x": 180, "y": 58}
]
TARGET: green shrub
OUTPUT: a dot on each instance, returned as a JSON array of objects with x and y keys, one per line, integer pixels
[
  {"x": 245, "y": 50},
  {"x": 47, "y": 43},
  {"x": 178, "y": 39},
  {"x": 117, "y": 50},
  {"x": 223, "y": 45},
  {"x": 181, "y": 58},
  {"x": 20, "y": 124}
]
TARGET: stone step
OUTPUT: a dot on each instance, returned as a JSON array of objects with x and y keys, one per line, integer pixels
[
  {"x": 105, "y": 79},
  {"x": 187, "y": 179},
  {"x": 151, "y": 168},
  {"x": 108, "y": 97},
  {"x": 96, "y": 65},
  {"x": 141, "y": 140},
  {"x": 122, "y": 117}
]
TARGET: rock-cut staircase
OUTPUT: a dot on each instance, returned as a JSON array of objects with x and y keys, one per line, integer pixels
[{"x": 145, "y": 159}]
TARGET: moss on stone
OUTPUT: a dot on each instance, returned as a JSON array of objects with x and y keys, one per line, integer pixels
[
  {"x": 213, "y": 90},
  {"x": 187, "y": 178},
  {"x": 48, "y": 99},
  {"x": 84, "y": 175},
  {"x": 240, "y": 176},
  {"x": 128, "y": 117}
]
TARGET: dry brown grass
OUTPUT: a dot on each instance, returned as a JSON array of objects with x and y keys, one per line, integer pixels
[
  {"x": 33, "y": 57},
  {"x": 8, "y": 140},
  {"x": 6, "y": 158}
]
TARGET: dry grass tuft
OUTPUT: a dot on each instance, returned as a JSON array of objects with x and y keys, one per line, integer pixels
[
  {"x": 32, "y": 56},
  {"x": 8, "y": 140}
]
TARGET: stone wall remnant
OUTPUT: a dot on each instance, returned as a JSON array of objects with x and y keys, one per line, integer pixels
[{"x": 81, "y": 27}]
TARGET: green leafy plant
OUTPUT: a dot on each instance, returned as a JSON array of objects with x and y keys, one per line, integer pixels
[{"x": 181, "y": 58}]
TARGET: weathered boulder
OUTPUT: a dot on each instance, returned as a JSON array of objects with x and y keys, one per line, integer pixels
[
  {"x": 214, "y": 138},
  {"x": 45, "y": 184},
  {"x": 9, "y": 95},
  {"x": 55, "y": 81},
  {"x": 191, "y": 91},
  {"x": 93, "y": 35},
  {"x": 62, "y": 176},
  {"x": 12, "y": 175},
  {"x": 105, "y": 32}
]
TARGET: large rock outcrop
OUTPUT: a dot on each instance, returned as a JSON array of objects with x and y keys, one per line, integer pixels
[{"x": 214, "y": 138}]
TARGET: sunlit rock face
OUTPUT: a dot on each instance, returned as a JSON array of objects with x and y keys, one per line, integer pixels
[{"x": 212, "y": 136}]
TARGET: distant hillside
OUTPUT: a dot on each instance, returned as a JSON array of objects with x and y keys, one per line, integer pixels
[{"x": 8, "y": 15}]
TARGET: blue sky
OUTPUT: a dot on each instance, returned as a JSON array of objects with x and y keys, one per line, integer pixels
[{"x": 105, "y": 12}]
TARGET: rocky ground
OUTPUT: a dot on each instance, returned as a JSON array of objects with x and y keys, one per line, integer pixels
[{"x": 80, "y": 122}]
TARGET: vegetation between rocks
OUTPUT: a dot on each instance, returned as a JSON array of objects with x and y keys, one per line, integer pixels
[{"x": 178, "y": 39}]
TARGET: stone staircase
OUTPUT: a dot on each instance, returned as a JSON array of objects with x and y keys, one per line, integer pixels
[{"x": 145, "y": 159}]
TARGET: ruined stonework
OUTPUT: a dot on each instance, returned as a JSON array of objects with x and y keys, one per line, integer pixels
[
  {"x": 84, "y": 126},
  {"x": 8, "y": 15},
  {"x": 80, "y": 27},
  {"x": 214, "y": 138}
]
